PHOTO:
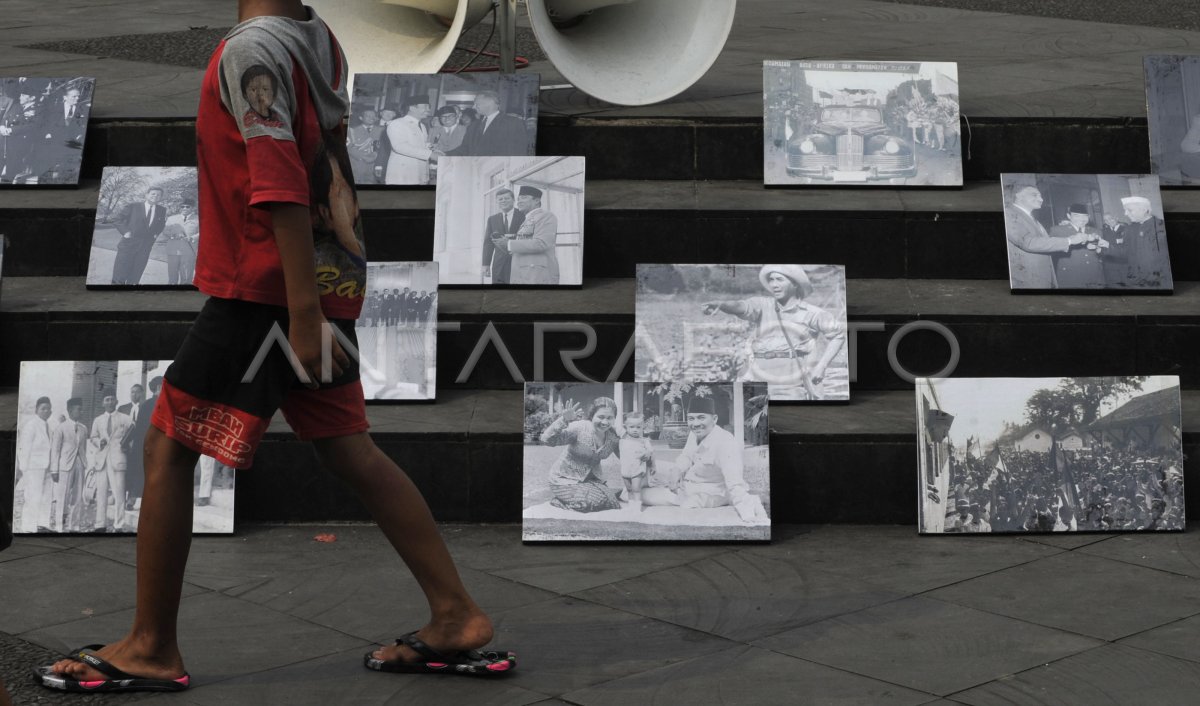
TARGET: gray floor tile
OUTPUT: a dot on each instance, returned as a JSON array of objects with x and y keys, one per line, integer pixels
[
  {"x": 741, "y": 596},
  {"x": 1178, "y": 639},
  {"x": 746, "y": 675},
  {"x": 374, "y": 600},
  {"x": 564, "y": 568},
  {"x": 23, "y": 547},
  {"x": 62, "y": 587},
  {"x": 220, "y": 637},
  {"x": 1083, "y": 594},
  {"x": 260, "y": 553},
  {"x": 928, "y": 645},
  {"x": 1112, "y": 675},
  {"x": 566, "y": 644},
  {"x": 341, "y": 679},
  {"x": 900, "y": 559},
  {"x": 1177, "y": 553},
  {"x": 1067, "y": 541}
]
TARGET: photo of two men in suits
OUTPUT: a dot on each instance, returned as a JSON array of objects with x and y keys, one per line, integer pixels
[{"x": 43, "y": 126}]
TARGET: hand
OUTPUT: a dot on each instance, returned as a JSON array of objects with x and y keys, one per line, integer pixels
[
  {"x": 817, "y": 376},
  {"x": 127, "y": 236},
  {"x": 711, "y": 307},
  {"x": 487, "y": 271},
  {"x": 1102, "y": 243},
  {"x": 378, "y": 171},
  {"x": 570, "y": 413},
  {"x": 5, "y": 130},
  {"x": 54, "y": 476},
  {"x": 306, "y": 337},
  {"x": 1077, "y": 239}
]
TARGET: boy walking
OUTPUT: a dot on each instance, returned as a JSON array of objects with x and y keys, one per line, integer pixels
[{"x": 280, "y": 251}]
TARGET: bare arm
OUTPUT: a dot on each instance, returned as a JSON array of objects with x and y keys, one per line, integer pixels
[{"x": 293, "y": 236}]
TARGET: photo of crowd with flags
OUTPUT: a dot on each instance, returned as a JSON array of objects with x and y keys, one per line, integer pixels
[{"x": 1050, "y": 455}]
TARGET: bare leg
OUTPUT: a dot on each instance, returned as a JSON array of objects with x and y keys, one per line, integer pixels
[
  {"x": 164, "y": 539},
  {"x": 657, "y": 495},
  {"x": 456, "y": 621}
]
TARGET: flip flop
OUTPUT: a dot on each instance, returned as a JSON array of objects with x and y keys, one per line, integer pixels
[
  {"x": 485, "y": 663},
  {"x": 117, "y": 682}
]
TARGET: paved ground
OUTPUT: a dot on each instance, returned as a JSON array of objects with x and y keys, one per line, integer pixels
[
  {"x": 1009, "y": 65},
  {"x": 824, "y": 615}
]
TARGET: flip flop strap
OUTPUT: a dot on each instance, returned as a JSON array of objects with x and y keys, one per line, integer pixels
[
  {"x": 417, "y": 645},
  {"x": 100, "y": 665}
]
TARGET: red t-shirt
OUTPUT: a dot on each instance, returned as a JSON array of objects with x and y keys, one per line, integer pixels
[{"x": 263, "y": 137}]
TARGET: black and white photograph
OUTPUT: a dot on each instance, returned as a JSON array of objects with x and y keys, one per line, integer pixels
[
  {"x": 862, "y": 123},
  {"x": 397, "y": 331},
  {"x": 147, "y": 229},
  {"x": 79, "y": 467},
  {"x": 780, "y": 324},
  {"x": 43, "y": 125},
  {"x": 646, "y": 461},
  {"x": 1100, "y": 454},
  {"x": 1173, "y": 111},
  {"x": 1086, "y": 232},
  {"x": 403, "y": 125},
  {"x": 502, "y": 221}
]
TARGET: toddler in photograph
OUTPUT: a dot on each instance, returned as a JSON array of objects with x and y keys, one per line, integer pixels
[{"x": 637, "y": 457}]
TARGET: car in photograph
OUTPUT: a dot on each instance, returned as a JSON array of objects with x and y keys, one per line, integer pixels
[{"x": 850, "y": 144}]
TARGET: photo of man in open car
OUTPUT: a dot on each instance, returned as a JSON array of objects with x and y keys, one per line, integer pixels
[{"x": 882, "y": 123}]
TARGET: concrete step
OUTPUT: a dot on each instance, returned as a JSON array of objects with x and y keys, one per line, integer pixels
[
  {"x": 717, "y": 147},
  {"x": 854, "y": 463},
  {"x": 997, "y": 333},
  {"x": 875, "y": 234}
]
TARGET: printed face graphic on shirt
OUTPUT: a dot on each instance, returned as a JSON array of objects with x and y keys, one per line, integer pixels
[{"x": 259, "y": 88}]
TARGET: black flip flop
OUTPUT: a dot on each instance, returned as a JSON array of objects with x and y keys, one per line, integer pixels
[
  {"x": 472, "y": 662},
  {"x": 118, "y": 681}
]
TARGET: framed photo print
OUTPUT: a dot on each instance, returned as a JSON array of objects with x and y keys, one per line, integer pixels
[
  {"x": 1173, "y": 109},
  {"x": 646, "y": 461},
  {"x": 397, "y": 331},
  {"x": 147, "y": 229},
  {"x": 1050, "y": 454},
  {"x": 1094, "y": 232},
  {"x": 510, "y": 221},
  {"x": 861, "y": 123},
  {"x": 80, "y": 430},
  {"x": 780, "y": 324},
  {"x": 402, "y": 125},
  {"x": 43, "y": 127}
]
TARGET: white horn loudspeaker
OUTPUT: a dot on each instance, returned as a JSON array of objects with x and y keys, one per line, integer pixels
[
  {"x": 399, "y": 36},
  {"x": 632, "y": 52}
]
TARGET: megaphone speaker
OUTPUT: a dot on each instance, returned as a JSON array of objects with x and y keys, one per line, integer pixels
[
  {"x": 632, "y": 52},
  {"x": 399, "y": 36}
]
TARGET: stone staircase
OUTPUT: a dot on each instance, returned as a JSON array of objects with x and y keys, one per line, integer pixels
[{"x": 659, "y": 191}]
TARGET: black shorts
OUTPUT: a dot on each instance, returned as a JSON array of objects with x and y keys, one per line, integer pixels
[{"x": 232, "y": 374}]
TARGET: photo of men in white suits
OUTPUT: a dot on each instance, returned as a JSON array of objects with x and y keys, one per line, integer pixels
[
  {"x": 109, "y": 460},
  {"x": 78, "y": 443},
  {"x": 441, "y": 114},
  {"x": 33, "y": 467}
]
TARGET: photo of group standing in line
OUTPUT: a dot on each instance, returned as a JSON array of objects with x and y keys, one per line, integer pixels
[
  {"x": 510, "y": 221},
  {"x": 1086, "y": 232},
  {"x": 43, "y": 126},
  {"x": 1050, "y": 454},
  {"x": 80, "y": 430},
  {"x": 646, "y": 461},
  {"x": 866, "y": 123},
  {"x": 403, "y": 125},
  {"x": 784, "y": 325},
  {"x": 397, "y": 331},
  {"x": 147, "y": 229}
]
